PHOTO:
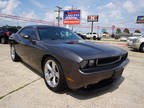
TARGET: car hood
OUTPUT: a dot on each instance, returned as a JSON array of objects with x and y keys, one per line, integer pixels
[{"x": 87, "y": 49}]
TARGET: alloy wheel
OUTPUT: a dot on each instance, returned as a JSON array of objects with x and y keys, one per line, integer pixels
[
  {"x": 12, "y": 52},
  {"x": 51, "y": 73}
]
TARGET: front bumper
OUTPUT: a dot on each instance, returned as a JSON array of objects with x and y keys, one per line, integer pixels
[
  {"x": 136, "y": 46},
  {"x": 130, "y": 43},
  {"x": 82, "y": 79}
]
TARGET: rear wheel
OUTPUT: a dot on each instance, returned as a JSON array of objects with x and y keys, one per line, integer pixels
[
  {"x": 53, "y": 75},
  {"x": 13, "y": 53},
  {"x": 94, "y": 38},
  {"x": 142, "y": 48},
  {"x": 3, "y": 40},
  {"x": 98, "y": 38}
]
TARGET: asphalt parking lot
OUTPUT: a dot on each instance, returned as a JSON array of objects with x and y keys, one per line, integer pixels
[{"x": 21, "y": 87}]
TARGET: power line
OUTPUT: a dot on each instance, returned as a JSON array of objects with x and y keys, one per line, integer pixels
[{"x": 14, "y": 17}]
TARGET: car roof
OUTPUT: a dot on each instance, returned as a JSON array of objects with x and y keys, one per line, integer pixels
[{"x": 42, "y": 26}]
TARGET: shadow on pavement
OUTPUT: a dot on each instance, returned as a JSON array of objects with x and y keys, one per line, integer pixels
[
  {"x": 96, "y": 90},
  {"x": 134, "y": 50},
  {"x": 32, "y": 69}
]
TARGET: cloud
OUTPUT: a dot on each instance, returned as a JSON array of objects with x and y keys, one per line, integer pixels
[
  {"x": 129, "y": 6},
  {"x": 29, "y": 15},
  {"x": 38, "y": 4},
  {"x": 10, "y": 6},
  {"x": 51, "y": 16},
  {"x": 110, "y": 14},
  {"x": 103, "y": 18},
  {"x": 3, "y": 4},
  {"x": 67, "y": 7},
  {"x": 109, "y": 5},
  {"x": 84, "y": 14},
  {"x": 116, "y": 14}
]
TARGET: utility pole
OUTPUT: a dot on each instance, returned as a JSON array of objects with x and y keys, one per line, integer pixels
[
  {"x": 98, "y": 30},
  {"x": 58, "y": 17},
  {"x": 92, "y": 27}
]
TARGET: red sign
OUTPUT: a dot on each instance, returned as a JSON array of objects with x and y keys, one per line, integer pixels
[{"x": 92, "y": 18}]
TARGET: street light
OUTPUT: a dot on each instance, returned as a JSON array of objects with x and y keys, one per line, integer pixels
[{"x": 59, "y": 10}]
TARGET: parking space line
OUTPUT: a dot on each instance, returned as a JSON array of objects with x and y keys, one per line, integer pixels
[{"x": 19, "y": 88}]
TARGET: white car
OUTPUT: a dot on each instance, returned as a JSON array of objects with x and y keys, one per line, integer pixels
[
  {"x": 123, "y": 38},
  {"x": 138, "y": 44},
  {"x": 93, "y": 35},
  {"x": 133, "y": 38}
]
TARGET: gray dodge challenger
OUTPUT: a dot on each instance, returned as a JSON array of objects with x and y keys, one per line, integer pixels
[{"x": 65, "y": 59}]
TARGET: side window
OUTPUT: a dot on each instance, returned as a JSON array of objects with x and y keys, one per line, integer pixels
[{"x": 28, "y": 31}]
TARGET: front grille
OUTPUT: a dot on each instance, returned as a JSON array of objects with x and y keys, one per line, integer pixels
[
  {"x": 103, "y": 61},
  {"x": 106, "y": 63}
]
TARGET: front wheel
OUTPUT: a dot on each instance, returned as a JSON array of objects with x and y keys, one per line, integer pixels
[
  {"x": 13, "y": 53},
  {"x": 53, "y": 75},
  {"x": 142, "y": 48}
]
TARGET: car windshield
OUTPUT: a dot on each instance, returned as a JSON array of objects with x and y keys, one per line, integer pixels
[{"x": 56, "y": 33}]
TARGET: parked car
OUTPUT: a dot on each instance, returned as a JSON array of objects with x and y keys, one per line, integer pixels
[
  {"x": 117, "y": 36},
  {"x": 64, "y": 58},
  {"x": 138, "y": 44},
  {"x": 93, "y": 35},
  {"x": 5, "y": 33},
  {"x": 123, "y": 38},
  {"x": 133, "y": 38},
  {"x": 105, "y": 35},
  {"x": 83, "y": 36}
]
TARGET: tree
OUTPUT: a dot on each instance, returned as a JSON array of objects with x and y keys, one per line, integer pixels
[
  {"x": 103, "y": 30},
  {"x": 118, "y": 30},
  {"x": 137, "y": 31},
  {"x": 126, "y": 30},
  {"x": 16, "y": 27}
]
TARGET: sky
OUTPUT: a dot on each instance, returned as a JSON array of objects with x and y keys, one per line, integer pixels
[{"x": 121, "y": 13}]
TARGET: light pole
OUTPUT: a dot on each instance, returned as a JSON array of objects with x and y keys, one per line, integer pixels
[{"x": 58, "y": 17}]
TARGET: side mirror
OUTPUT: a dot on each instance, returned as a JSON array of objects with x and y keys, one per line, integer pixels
[{"x": 26, "y": 37}]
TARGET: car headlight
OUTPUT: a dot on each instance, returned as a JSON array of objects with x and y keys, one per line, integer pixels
[
  {"x": 87, "y": 64},
  {"x": 83, "y": 64}
]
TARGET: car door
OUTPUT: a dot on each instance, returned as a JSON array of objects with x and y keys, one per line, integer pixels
[{"x": 27, "y": 48}]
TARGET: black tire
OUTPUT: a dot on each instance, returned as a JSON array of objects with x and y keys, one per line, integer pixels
[
  {"x": 98, "y": 38},
  {"x": 94, "y": 37},
  {"x": 13, "y": 54},
  {"x": 3, "y": 40},
  {"x": 61, "y": 86},
  {"x": 142, "y": 48}
]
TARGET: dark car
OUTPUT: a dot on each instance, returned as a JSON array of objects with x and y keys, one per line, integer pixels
[
  {"x": 5, "y": 33},
  {"x": 82, "y": 35},
  {"x": 64, "y": 58}
]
